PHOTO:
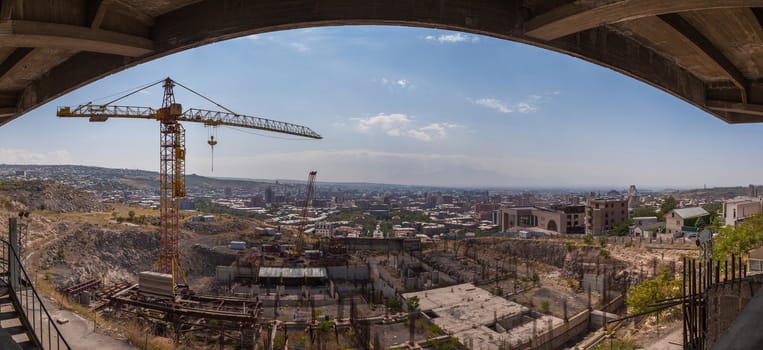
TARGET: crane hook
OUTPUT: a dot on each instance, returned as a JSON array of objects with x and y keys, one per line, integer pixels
[{"x": 212, "y": 142}]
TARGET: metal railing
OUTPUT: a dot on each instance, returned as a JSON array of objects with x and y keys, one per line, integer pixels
[{"x": 34, "y": 316}]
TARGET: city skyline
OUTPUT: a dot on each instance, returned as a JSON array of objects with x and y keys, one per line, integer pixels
[{"x": 407, "y": 106}]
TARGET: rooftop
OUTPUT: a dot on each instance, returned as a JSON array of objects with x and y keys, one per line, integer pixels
[
  {"x": 693, "y": 212},
  {"x": 293, "y": 272},
  {"x": 467, "y": 311}
]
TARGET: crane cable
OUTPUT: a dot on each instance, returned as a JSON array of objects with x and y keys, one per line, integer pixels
[
  {"x": 132, "y": 92},
  {"x": 205, "y": 97}
]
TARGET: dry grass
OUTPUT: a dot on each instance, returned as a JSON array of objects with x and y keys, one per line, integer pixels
[{"x": 106, "y": 217}]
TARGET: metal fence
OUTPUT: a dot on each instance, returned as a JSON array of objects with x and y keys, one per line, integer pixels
[{"x": 33, "y": 314}]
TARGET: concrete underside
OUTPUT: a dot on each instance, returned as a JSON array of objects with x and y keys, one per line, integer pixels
[{"x": 708, "y": 53}]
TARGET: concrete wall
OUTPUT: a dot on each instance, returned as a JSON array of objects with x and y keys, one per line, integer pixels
[
  {"x": 229, "y": 273},
  {"x": 556, "y": 337},
  {"x": 725, "y": 301},
  {"x": 371, "y": 244}
]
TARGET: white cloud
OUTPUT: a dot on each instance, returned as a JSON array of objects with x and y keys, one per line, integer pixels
[
  {"x": 524, "y": 107},
  {"x": 23, "y": 156},
  {"x": 527, "y": 105},
  {"x": 494, "y": 104},
  {"x": 398, "y": 125},
  {"x": 300, "y": 47},
  {"x": 399, "y": 83},
  {"x": 452, "y": 38},
  {"x": 388, "y": 123},
  {"x": 253, "y": 37}
]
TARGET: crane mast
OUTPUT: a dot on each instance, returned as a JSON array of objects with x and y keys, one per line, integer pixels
[
  {"x": 303, "y": 218},
  {"x": 171, "y": 183},
  {"x": 172, "y": 155}
]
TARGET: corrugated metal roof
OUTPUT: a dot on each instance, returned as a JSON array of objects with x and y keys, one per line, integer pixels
[
  {"x": 688, "y": 213},
  {"x": 293, "y": 272}
]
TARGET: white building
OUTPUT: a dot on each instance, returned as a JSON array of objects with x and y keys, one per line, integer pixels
[
  {"x": 685, "y": 219},
  {"x": 737, "y": 209},
  {"x": 324, "y": 229}
]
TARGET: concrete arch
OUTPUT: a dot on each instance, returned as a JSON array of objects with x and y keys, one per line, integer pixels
[
  {"x": 552, "y": 226},
  {"x": 675, "y": 46}
]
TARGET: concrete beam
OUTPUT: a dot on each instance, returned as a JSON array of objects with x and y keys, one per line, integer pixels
[
  {"x": 213, "y": 20},
  {"x": 18, "y": 33},
  {"x": 75, "y": 72},
  {"x": 95, "y": 10},
  {"x": 734, "y": 107},
  {"x": 13, "y": 59},
  {"x": 578, "y": 16},
  {"x": 627, "y": 56},
  {"x": 6, "y": 112},
  {"x": 701, "y": 42}
]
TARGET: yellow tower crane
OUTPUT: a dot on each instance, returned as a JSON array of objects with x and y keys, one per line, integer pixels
[{"x": 172, "y": 153}]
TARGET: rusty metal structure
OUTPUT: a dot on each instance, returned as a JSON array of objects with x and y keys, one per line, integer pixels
[
  {"x": 305, "y": 211},
  {"x": 172, "y": 153}
]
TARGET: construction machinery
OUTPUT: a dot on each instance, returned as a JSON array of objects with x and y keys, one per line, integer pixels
[
  {"x": 172, "y": 153},
  {"x": 305, "y": 209}
]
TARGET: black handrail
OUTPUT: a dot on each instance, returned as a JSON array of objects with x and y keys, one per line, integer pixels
[{"x": 25, "y": 308}]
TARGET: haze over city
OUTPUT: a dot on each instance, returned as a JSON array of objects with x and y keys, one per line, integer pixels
[{"x": 406, "y": 106}]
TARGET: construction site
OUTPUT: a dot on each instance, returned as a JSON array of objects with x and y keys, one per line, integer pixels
[{"x": 247, "y": 290}]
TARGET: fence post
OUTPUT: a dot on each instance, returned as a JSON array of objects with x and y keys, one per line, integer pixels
[{"x": 13, "y": 261}]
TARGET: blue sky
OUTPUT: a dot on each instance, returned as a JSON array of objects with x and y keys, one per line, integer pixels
[{"x": 408, "y": 106}]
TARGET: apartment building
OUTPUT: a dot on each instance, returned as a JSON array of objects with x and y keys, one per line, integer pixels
[{"x": 604, "y": 213}]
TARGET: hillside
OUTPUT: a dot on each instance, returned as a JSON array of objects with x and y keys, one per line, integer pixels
[{"x": 46, "y": 195}]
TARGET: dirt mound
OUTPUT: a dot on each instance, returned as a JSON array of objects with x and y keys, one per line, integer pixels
[
  {"x": 548, "y": 252},
  {"x": 47, "y": 195},
  {"x": 95, "y": 252}
]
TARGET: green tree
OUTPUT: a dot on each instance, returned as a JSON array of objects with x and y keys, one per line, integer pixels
[
  {"x": 739, "y": 240},
  {"x": 667, "y": 205},
  {"x": 394, "y": 304},
  {"x": 545, "y": 307},
  {"x": 324, "y": 329},
  {"x": 713, "y": 208},
  {"x": 450, "y": 344},
  {"x": 369, "y": 225},
  {"x": 386, "y": 227},
  {"x": 645, "y": 210},
  {"x": 412, "y": 304},
  {"x": 279, "y": 342},
  {"x": 622, "y": 229},
  {"x": 616, "y": 344},
  {"x": 131, "y": 216},
  {"x": 641, "y": 297}
]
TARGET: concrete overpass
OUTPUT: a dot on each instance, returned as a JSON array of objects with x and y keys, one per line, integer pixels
[{"x": 708, "y": 53}]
